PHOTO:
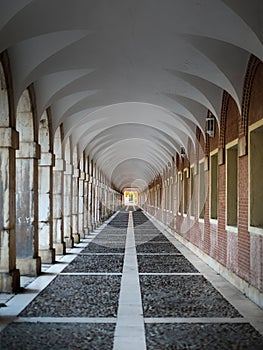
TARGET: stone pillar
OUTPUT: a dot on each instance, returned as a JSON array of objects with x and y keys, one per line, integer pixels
[
  {"x": 89, "y": 179},
  {"x": 67, "y": 206},
  {"x": 86, "y": 207},
  {"x": 93, "y": 204},
  {"x": 58, "y": 232},
  {"x": 81, "y": 225},
  {"x": 9, "y": 275},
  {"x": 45, "y": 224},
  {"x": 98, "y": 211},
  {"x": 75, "y": 205},
  {"x": 28, "y": 261}
]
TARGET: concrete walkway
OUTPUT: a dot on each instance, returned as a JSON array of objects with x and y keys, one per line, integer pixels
[{"x": 130, "y": 285}]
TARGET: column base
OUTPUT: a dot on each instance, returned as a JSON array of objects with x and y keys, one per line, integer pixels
[
  {"x": 29, "y": 267},
  {"x": 47, "y": 256},
  {"x": 10, "y": 282},
  {"x": 60, "y": 248},
  {"x": 82, "y": 234},
  {"x": 87, "y": 231},
  {"x": 69, "y": 242},
  {"x": 76, "y": 237}
]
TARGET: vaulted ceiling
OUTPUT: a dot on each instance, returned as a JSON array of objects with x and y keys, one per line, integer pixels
[{"x": 130, "y": 79}]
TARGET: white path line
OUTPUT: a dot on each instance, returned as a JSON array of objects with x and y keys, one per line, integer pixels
[
  {"x": 130, "y": 332},
  {"x": 170, "y": 274},
  {"x": 90, "y": 274},
  {"x": 195, "y": 320},
  {"x": 65, "y": 320}
]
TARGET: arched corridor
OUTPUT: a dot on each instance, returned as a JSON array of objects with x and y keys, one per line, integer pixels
[{"x": 123, "y": 121}]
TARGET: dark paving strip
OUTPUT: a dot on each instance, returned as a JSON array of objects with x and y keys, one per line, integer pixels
[
  {"x": 203, "y": 336},
  {"x": 151, "y": 238},
  {"x": 101, "y": 263},
  {"x": 103, "y": 254},
  {"x": 183, "y": 296},
  {"x": 164, "y": 264},
  {"x": 156, "y": 248},
  {"x": 98, "y": 248},
  {"x": 160, "y": 254},
  {"x": 57, "y": 336},
  {"x": 77, "y": 296}
]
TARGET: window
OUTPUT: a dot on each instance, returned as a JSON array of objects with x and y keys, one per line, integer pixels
[
  {"x": 201, "y": 189},
  {"x": 256, "y": 174},
  {"x": 213, "y": 185},
  {"x": 232, "y": 183}
]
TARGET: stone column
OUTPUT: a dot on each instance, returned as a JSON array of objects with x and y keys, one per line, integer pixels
[
  {"x": 28, "y": 261},
  {"x": 89, "y": 199},
  {"x": 86, "y": 198},
  {"x": 95, "y": 200},
  {"x": 67, "y": 206},
  {"x": 9, "y": 275},
  {"x": 98, "y": 217},
  {"x": 45, "y": 224},
  {"x": 75, "y": 205},
  {"x": 93, "y": 204},
  {"x": 58, "y": 232},
  {"x": 81, "y": 225}
]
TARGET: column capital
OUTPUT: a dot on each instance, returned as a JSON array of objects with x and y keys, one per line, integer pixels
[
  {"x": 69, "y": 169},
  {"x": 9, "y": 137},
  {"x": 47, "y": 159},
  {"x": 82, "y": 175},
  {"x": 76, "y": 172},
  {"x": 60, "y": 164},
  {"x": 28, "y": 150}
]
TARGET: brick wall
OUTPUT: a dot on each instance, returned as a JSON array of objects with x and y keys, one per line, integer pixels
[{"x": 238, "y": 250}]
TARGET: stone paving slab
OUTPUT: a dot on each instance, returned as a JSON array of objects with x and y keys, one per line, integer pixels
[
  {"x": 183, "y": 296},
  {"x": 203, "y": 336},
  {"x": 93, "y": 263},
  {"x": 156, "y": 248},
  {"x": 164, "y": 264},
  {"x": 77, "y": 296},
  {"x": 57, "y": 336}
]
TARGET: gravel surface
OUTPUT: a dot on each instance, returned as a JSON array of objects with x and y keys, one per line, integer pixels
[
  {"x": 57, "y": 336},
  {"x": 203, "y": 336},
  {"x": 105, "y": 248},
  {"x": 158, "y": 238},
  {"x": 183, "y": 296},
  {"x": 77, "y": 296},
  {"x": 156, "y": 248},
  {"x": 93, "y": 263},
  {"x": 164, "y": 264}
]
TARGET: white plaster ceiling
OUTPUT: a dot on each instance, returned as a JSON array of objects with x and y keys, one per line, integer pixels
[{"x": 131, "y": 79}]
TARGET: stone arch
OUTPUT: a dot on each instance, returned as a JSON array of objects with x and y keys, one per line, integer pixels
[
  {"x": 27, "y": 157},
  {"x": 9, "y": 275},
  {"x": 58, "y": 170},
  {"x": 45, "y": 187},
  {"x": 254, "y": 69}
]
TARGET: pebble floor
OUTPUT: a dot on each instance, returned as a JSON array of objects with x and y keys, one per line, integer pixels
[{"x": 89, "y": 304}]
